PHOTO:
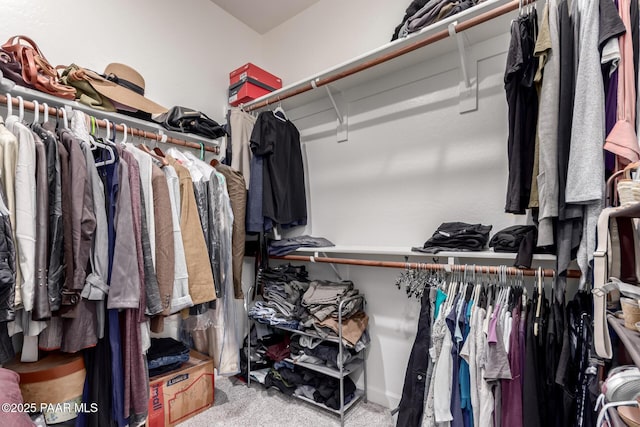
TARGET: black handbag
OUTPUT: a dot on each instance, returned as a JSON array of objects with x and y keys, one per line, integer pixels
[{"x": 182, "y": 119}]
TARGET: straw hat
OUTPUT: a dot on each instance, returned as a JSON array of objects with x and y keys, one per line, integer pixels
[{"x": 125, "y": 86}]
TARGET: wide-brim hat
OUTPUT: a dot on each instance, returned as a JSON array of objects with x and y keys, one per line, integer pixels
[{"x": 123, "y": 84}]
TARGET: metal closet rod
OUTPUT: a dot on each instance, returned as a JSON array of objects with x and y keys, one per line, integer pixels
[
  {"x": 573, "y": 274},
  {"x": 53, "y": 111},
  {"x": 440, "y": 35}
]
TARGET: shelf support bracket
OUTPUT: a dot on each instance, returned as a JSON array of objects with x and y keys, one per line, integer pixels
[
  {"x": 468, "y": 97},
  {"x": 341, "y": 126},
  {"x": 335, "y": 106}
]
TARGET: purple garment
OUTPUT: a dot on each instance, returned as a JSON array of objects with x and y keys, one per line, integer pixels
[
  {"x": 523, "y": 341},
  {"x": 511, "y": 414},
  {"x": 611, "y": 117},
  {"x": 610, "y": 112},
  {"x": 492, "y": 336}
]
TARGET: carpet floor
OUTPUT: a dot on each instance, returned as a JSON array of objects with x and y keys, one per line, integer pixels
[{"x": 238, "y": 405}]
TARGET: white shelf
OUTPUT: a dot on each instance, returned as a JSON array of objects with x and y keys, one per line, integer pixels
[
  {"x": 116, "y": 118},
  {"x": 359, "y": 394},
  {"x": 402, "y": 251},
  {"x": 495, "y": 27},
  {"x": 349, "y": 368}
]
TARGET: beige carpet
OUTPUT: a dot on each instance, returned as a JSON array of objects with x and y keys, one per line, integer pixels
[{"x": 238, "y": 405}]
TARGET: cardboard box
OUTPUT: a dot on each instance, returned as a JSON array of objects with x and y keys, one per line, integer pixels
[
  {"x": 246, "y": 91},
  {"x": 249, "y": 70},
  {"x": 181, "y": 394}
]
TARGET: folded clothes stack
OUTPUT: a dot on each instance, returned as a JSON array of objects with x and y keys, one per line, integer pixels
[
  {"x": 457, "y": 236},
  {"x": 285, "y": 246},
  {"x": 317, "y": 352},
  {"x": 281, "y": 305},
  {"x": 302, "y": 305},
  {"x": 520, "y": 239},
  {"x": 165, "y": 355}
]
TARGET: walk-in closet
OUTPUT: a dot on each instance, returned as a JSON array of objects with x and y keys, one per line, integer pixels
[{"x": 320, "y": 213}]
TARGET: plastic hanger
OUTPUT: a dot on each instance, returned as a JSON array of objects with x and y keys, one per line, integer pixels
[
  {"x": 36, "y": 111},
  {"x": 96, "y": 143},
  {"x": 112, "y": 157},
  {"x": 282, "y": 115},
  {"x": 65, "y": 121},
  {"x": 124, "y": 133},
  {"x": 45, "y": 107},
  {"x": 201, "y": 150},
  {"x": 93, "y": 132},
  {"x": 108, "y": 129},
  {"x": 20, "y": 108}
]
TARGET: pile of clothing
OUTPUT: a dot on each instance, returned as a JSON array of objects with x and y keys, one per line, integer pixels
[
  {"x": 422, "y": 13},
  {"x": 318, "y": 352},
  {"x": 457, "y": 236},
  {"x": 282, "y": 290},
  {"x": 290, "y": 301},
  {"x": 166, "y": 355},
  {"x": 288, "y": 245}
]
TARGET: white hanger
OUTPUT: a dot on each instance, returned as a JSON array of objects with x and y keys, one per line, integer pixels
[
  {"x": 9, "y": 105},
  {"x": 124, "y": 136},
  {"x": 65, "y": 121},
  {"x": 36, "y": 111},
  {"x": 108, "y": 129},
  {"x": 96, "y": 143},
  {"x": 46, "y": 112},
  {"x": 20, "y": 108},
  {"x": 279, "y": 109}
]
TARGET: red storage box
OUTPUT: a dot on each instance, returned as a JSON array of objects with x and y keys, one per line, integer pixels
[
  {"x": 183, "y": 393},
  {"x": 245, "y": 91},
  {"x": 250, "y": 71}
]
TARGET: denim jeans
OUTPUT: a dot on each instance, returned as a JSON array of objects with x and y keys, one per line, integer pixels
[{"x": 412, "y": 401}]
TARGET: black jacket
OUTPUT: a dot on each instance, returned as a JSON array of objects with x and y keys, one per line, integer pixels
[{"x": 7, "y": 270}]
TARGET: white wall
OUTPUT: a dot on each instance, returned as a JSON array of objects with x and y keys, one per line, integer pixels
[
  {"x": 328, "y": 33},
  {"x": 184, "y": 50}
]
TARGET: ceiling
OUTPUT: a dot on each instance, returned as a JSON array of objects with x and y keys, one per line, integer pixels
[{"x": 261, "y": 15}]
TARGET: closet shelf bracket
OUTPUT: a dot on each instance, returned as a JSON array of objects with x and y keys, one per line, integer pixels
[
  {"x": 468, "y": 87},
  {"x": 341, "y": 126}
]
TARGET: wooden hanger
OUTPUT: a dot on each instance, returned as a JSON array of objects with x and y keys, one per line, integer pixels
[
  {"x": 157, "y": 149},
  {"x": 147, "y": 150}
]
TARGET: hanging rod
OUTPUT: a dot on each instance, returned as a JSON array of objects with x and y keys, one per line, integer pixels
[
  {"x": 53, "y": 111},
  {"x": 512, "y": 271},
  {"x": 440, "y": 35}
]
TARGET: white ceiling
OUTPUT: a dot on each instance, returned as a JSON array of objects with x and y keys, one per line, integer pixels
[{"x": 262, "y": 15}]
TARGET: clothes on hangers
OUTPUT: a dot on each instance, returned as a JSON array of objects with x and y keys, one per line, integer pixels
[
  {"x": 281, "y": 197},
  {"x": 241, "y": 124},
  {"x": 105, "y": 237},
  {"x": 585, "y": 68},
  {"x": 522, "y": 100},
  {"x": 510, "y": 373}
]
